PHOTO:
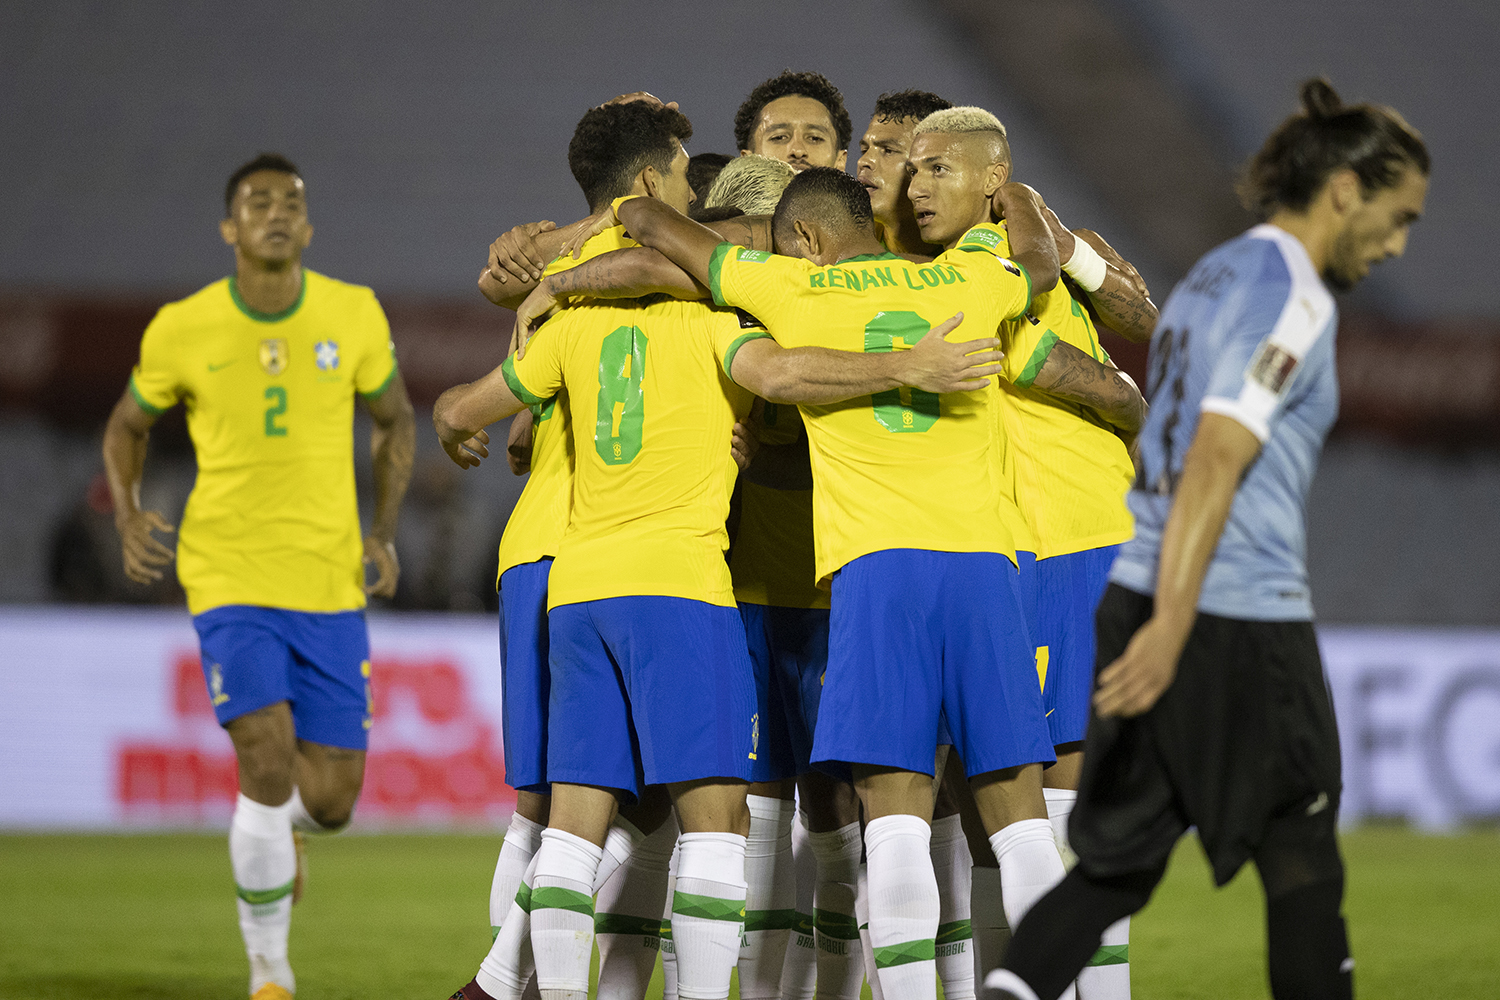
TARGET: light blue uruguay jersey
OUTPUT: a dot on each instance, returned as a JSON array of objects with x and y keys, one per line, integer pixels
[{"x": 1247, "y": 334}]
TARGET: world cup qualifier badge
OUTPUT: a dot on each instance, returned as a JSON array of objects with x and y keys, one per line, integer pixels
[
  {"x": 327, "y": 354},
  {"x": 274, "y": 355}
]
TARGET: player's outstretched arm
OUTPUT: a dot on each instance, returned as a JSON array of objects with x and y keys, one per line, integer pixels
[
  {"x": 1032, "y": 244},
  {"x": 462, "y": 412},
  {"x": 125, "y": 438},
  {"x": 658, "y": 225},
  {"x": 393, "y": 446},
  {"x": 1070, "y": 374},
  {"x": 818, "y": 375},
  {"x": 1221, "y": 451}
]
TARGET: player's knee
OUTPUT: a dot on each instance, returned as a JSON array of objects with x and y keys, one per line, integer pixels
[
  {"x": 334, "y": 812},
  {"x": 1300, "y": 851}
]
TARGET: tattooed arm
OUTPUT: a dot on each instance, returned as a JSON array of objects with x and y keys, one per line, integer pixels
[
  {"x": 1123, "y": 303},
  {"x": 1072, "y": 375}
]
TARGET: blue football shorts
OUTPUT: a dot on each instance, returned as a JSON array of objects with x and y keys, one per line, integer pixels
[
  {"x": 1068, "y": 590},
  {"x": 317, "y": 662},
  {"x": 525, "y": 681},
  {"x": 915, "y": 635},
  {"x": 649, "y": 690},
  {"x": 789, "y": 651}
]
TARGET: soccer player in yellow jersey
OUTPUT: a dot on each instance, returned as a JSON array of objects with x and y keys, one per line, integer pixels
[
  {"x": 795, "y": 117},
  {"x": 269, "y": 363}
]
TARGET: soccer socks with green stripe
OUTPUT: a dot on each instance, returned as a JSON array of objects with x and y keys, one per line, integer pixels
[
  {"x": 799, "y": 970},
  {"x": 904, "y": 906},
  {"x": 265, "y": 867},
  {"x": 508, "y": 971},
  {"x": 669, "y": 946},
  {"x": 522, "y": 838},
  {"x": 562, "y": 914},
  {"x": 708, "y": 912},
  {"x": 1107, "y": 976},
  {"x": 770, "y": 897},
  {"x": 627, "y": 916},
  {"x": 1030, "y": 865},
  {"x": 954, "y": 945},
  {"x": 841, "y": 966},
  {"x": 862, "y": 914}
]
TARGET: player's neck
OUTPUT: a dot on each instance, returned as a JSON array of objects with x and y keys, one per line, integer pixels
[
  {"x": 906, "y": 237},
  {"x": 1315, "y": 231},
  {"x": 268, "y": 288},
  {"x": 858, "y": 246}
]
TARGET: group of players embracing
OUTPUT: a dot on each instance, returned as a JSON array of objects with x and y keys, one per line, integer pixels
[{"x": 886, "y": 400}]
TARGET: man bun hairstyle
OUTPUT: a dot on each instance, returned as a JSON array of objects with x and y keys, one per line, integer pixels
[
  {"x": 789, "y": 84},
  {"x": 830, "y": 196},
  {"x": 751, "y": 183},
  {"x": 615, "y": 142},
  {"x": 265, "y": 161},
  {"x": 1327, "y": 136},
  {"x": 904, "y": 105}
]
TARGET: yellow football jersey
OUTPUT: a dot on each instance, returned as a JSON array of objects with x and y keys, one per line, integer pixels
[
  {"x": 652, "y": 413},
  {"x": 1070, "y": 470},
  {"x": 903, "y": 469},
  {"x": 272, "y": 519},
  {"x": 773, "y": 560},
  {"x": 537, "y": 523}
]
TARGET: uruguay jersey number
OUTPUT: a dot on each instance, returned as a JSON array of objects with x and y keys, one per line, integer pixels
[
  {"x": 919, "y": 409},
  {"x": 277, "y": 395},
  {"x": 1171, "y": 363},
  {"x": 622, "y": 410}
]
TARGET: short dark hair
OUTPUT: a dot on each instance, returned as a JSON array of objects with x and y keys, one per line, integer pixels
[
  {"x": 615, "y": 142},
  {"x": 265, "y": 161},
  {"x": 903, "y": 105},
  {"x": 703, "y": 170},
  {"x": 1327, "y": 136},
  {"x": 829, "y": 195},
  {"x": 789, "y": 84},
  {"x": 716, "y": 214}
]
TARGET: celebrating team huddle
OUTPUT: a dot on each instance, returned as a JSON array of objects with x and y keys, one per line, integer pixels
[{"x": 828, "y": 477}]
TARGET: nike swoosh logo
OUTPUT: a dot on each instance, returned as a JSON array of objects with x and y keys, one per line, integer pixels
[{"x": 213, "y": 367}]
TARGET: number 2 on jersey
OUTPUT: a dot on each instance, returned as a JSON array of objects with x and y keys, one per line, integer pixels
[
  {"x": 277, "y": 395},
  {"x": 898, "y": 417},
  {"x": 621, "y": 411}
]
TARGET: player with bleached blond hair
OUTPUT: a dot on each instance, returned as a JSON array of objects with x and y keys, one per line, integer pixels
[{"x": 751, "y": 183}]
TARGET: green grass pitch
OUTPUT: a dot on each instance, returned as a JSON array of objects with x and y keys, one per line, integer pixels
[{"x": 115, "y": 917}]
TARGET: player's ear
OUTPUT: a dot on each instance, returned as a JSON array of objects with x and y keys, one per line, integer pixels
[
  {"x": 650, "y": 180},
  {"x": 843, "y": 158},
  {"x": 995, "y": 177},
  {"x": 808, "y": 237},
  {"x": 1344, "y": 190},
  {"x": 229, "y": 231},
  {"x": 307, "y": 232}
]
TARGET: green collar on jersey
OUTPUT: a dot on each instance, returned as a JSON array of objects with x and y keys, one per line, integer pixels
[
  {"x": 869, "y": 256},
  {"x": 260, "y": 317}
]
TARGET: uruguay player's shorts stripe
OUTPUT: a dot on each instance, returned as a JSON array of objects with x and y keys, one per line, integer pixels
[{"x": 526, "y": 681}]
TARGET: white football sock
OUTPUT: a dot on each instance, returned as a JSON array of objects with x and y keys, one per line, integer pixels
[
  {"x": 799, "y": 970},
  {"x": 987, "y": 914},
  {"x": 562, "y": 914},
  {"x": 302, "y": 819},
  {"x": 770, "y": 897},
  {"x": 1004, "y": 979},
  {"x": 265, "y": 867},
  {"x": 1107, "y": 976},
  {"x": 951, "y": 864},
  {"x": 516, "y": 851},
  {"x": 841, "y": 966},
  {"x": 903, "y": 905},
  {"x": 708, "y": 912},
  {"x": 508, "y": 971},
  {"x": 862, "y": 914},
  {"x": 628, "y": 916},
  {"x": 1030, "y": 865},
  {"x": 1059, "y": 808},
  {"x": 619, "y": 845},
  {"x": 668, "y": 945}
]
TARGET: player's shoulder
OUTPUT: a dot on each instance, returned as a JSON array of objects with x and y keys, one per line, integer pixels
[
  {"x": 334, "y": 290},
  {"x": 208, "y": 305}
]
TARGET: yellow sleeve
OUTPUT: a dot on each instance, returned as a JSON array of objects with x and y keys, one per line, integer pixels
[
  {"x": 761, "y": 283},
  {"x": 537, "y": 377},
  {"x": 980, "y": 256},
  {"x": 1027, "y": 343},
  {"x": 734, "y": 329},
  {"x": 155, "y": 382},
  {"x": 377, "y": 364}
]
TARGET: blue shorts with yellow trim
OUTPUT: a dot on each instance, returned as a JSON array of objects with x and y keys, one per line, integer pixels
[
  {"x": 789, "y": 650},
  {"x": 525, "y": 681},
  {"x": 915, "y": 635},
  {"x": 649, "y": 690},
  {"x": 317, "y": 662},
  {"x": 1068, "y": 589}
]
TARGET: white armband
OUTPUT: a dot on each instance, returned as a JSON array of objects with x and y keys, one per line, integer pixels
[{"x": 1085, "y": 267}]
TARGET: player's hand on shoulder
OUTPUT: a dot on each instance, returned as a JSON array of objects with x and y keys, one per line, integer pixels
[
  {"x": 529, "y": 315},
  {"x": 938, "y": 364},
  {"x": 515, "y": 255},
  {"x": 143, "y": 553},
  {"x": 381, "y": 553},
  {"x": 1132, "y": 684},
  {"x": 586, "y": 229}
]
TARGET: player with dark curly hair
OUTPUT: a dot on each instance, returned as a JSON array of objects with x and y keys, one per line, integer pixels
[{"x": 796, "y": 117}]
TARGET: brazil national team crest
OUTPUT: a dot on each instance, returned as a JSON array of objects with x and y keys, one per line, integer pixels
[
  {"x": 327, "y": 353},
  {"x": 274, "y": 355}
]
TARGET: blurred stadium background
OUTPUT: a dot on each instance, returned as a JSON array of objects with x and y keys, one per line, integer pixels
[{"x": 424, "y": 131}]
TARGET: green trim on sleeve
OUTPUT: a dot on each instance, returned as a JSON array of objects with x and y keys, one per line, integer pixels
[
  {"x": 715, "y": 263},
  {"x": 508, "y": 369},
  {"x": 140, "y": 400},
  {"x": 1027, "y": 275},
  {"x": 380, "y": 389},
  {"x": 1037, "y": 360},
  {"x": 734, "y": 349}
]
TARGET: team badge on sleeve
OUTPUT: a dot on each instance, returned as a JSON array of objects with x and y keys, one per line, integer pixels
[
  {"x": 1272, "y": 367},
  {"x": 274, "y": 355},
  {"x": 327, "y": 354},
  {"x": 753, "y": 256}
]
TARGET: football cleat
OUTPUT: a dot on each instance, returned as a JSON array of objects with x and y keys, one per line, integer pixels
[
  {"x": 272, "y": 991},
  {"x": 471, "y": 991}
]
